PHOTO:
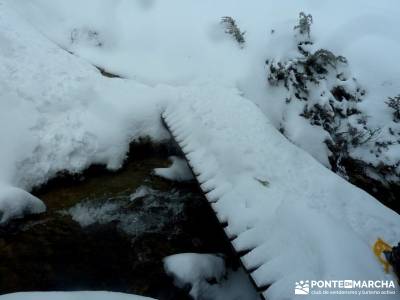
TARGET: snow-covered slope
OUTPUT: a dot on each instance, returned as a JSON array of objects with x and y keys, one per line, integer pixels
[
  {"x": 300, "y": 220},
  {"x": 58, "y": 113},
  {"x": 74, "y": 117},
  {"x": 182, "y": 42}
]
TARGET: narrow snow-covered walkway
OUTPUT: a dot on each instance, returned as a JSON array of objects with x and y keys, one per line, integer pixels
[{"x": 299, "y": 219}]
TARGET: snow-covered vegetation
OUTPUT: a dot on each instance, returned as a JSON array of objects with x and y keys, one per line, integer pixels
[{"x": 343, "y": 134}]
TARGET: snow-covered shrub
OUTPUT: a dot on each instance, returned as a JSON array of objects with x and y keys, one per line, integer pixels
[
  {"x": 327, "y": 96},
  {"x": 321, "y": 90},
  {"x": 304, "y": 26},
  {"x": 303, "y": 33},
  {"x": 394, "y": 103},
  {"x": 232, "y": 29}
]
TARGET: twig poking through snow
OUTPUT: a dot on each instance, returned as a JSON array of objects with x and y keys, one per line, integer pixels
[{"x": 232, "y": 29}]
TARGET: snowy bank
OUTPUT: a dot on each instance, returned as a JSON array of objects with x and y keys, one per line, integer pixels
[{"x": 57, "y": 112}]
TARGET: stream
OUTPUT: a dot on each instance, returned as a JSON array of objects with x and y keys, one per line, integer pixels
[{"x": 109, "y": 231}]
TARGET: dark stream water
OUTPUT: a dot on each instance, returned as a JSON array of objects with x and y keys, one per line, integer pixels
[{"x": 128, "y": 222}]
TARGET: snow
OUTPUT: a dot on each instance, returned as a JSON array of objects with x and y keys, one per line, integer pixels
[
  {"x": 236, "y": 286},
  {"x": 75, "y": 117},
  {"x": 15, "y": 202},
  {"x": 183, "y": 43},
  {"x": 57, "y": 113},
  {"x": 193, "y": 268},
  {"x": 142, "y": 191},
  {"x": 178, "y": 171},
  {"x": 197, "y": 270},
  {"x": 71, "y": 296},
  {"x": 293, "y": 213}
]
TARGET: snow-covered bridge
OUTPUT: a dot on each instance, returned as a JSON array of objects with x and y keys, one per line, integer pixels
[{"x": 288, "y": 216}]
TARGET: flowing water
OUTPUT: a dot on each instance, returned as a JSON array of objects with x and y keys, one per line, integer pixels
[{"x": 109, "y": 231}]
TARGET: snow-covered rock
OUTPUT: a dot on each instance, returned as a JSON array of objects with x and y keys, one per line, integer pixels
[
  {"x": 15, "y": 203},
  {"x": 178, "y": 171},
  {"x": 198, "y": 270},
  {"x": 71, "y": 296},
  {"x": 193, "y": 268}
]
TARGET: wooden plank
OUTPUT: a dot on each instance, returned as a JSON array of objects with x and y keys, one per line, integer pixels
[{"x": 206, "y": 188}]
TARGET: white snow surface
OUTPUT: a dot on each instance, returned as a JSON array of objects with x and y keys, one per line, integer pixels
[
  {"x": 235, "y": 286},
  {"x": 181, "y": 42},
  {"x": 301, "y": 220},
  {"x": 71, "y": 296},
  {"x": 178, "y": 171},
  {"x": 15, "y": 203},
  {"x": 195, "y": 269},
  {"x": 57, "y": 112}
]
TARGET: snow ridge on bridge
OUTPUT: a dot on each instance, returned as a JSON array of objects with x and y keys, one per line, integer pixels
[{"x": 289, "y": 217}]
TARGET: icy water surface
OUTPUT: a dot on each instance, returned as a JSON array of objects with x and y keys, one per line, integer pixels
[{"x": 108, "y": 231}]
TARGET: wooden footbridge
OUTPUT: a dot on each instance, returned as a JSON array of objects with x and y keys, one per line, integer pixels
[{"x": 287, "y": 217}]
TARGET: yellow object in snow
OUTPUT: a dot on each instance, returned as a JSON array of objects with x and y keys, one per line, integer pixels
[{"x": 379, "y": 247}]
